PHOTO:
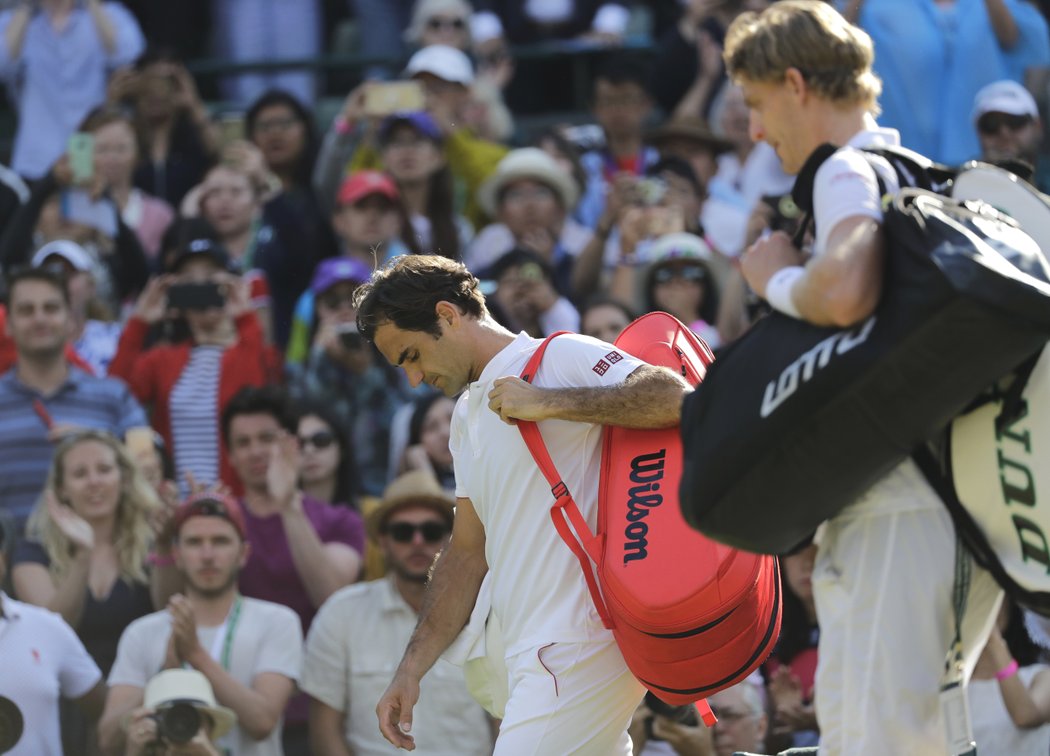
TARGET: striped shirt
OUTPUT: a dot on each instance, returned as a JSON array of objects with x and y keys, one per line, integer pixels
[
  {"x": 25, "y": 452},
  {"x": 194, "y": 410}
]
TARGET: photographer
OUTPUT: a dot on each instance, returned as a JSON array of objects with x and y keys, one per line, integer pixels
[
  {"x": 179, "y": 716},
  {"x": 189, "y": 383},
  {"x": 341, "y": 369}
]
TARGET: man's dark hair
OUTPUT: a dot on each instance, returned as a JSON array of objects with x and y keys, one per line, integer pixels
[
  {"x": 407, "y": 291},
  {"x": 43, "y": 275},
  {"x": 624, "y": 68},
  {"x": 260, "y": 400},
  {"x": 678, "y": 167}
]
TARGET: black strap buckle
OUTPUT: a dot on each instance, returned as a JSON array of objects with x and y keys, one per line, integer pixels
[{"x": 560, "y": 489}]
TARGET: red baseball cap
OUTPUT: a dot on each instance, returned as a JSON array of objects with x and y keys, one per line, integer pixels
[
  {"x": 363, "y": 183},
  {"x": 210, "y": 504}
]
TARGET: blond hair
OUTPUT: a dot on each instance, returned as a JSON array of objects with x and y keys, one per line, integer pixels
[
  {"x": 833, "y": 55},
  {"x": 132, "y": 533}
]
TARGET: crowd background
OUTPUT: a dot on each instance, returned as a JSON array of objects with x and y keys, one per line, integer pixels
[{"x": 179, "y": 283}]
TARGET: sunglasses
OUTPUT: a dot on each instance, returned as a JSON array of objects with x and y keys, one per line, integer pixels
[
  {"x": 436, "y": 23},
  {"x": 992, "y": 123},
  {"x": 319, "y": 440},
  {"x": 405, "y": 532},
  {"x": 691, "y": 273}
]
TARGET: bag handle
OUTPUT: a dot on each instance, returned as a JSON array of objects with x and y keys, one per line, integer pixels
[{"x": 583, "y": 543}]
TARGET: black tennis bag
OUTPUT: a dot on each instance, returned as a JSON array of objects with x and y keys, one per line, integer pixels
[{"x": 794, "y": 421}]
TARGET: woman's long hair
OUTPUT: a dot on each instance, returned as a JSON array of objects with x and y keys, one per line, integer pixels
[
  {"x": 347, "y": 481},
  {"x": 304, "y": 163},
  {"x": 132, "y": 533}
]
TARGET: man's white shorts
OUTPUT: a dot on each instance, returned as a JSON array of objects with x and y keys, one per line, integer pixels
[
  {"x": 883, "y": 588},
  {"x": 569, "y": 698}
]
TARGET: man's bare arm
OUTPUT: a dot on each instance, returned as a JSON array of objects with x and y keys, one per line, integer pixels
[
  {"x": 650, "y": 397},
  {"x": 447, "y": 604}
]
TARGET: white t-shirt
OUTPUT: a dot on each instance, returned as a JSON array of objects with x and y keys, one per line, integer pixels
[
  {"x": 993, "y": 730},
  {"x": 41, "y": 660},
  {"x": 352, "y": 651},
  {"x": 845, "y": 185},
  {"x": 267, "y": 637},
  {"x": 538, "y": 589}
]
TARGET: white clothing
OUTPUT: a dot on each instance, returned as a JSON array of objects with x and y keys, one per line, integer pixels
[
  {"x": 569, "y": 698},
  {"x": 353, "y": 649},
  {"x": 993, "y": 730},
  {"x": 885, "y": 565},
  {"x": 735, "y": 190},
  {"x": 539, "y": 594},
  {"x": 41, "y": 660},
  {"x": 267, "y": 637},
  {"x": 538, "y": 588}
]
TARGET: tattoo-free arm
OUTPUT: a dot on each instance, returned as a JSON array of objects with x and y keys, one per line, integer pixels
[
  {"x": 447, "y": 604},
  {"x": 324, "y": 568},
  {"x": 1003, "y": 24},
  {"x": 326, "y": 731},
  {"x": 843, "y": 286}
]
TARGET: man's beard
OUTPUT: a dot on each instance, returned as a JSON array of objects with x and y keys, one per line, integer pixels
[{"x": 212, "y": 593}]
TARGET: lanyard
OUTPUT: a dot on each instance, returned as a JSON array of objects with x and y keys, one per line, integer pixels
[{"x": 222, "y": 647}]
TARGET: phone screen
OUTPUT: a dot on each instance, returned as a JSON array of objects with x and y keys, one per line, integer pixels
[
  {"x": 385, "y": 98},
  {"x": 81, "y": 151}
]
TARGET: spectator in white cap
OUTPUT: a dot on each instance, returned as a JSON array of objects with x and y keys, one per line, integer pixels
[
  {"x": 447, "y": 76},
  {"x": 531, "y": 197},
  {"x": 95, "y": 334},
  {"x": 1008, "y": 126}
]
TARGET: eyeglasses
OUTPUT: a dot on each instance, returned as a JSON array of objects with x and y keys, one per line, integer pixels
[
  {"x": 728, "y": 715},
  {"x": 275, "y": 124},
  {"x": 992, "y": 123},
  {"x": 405, "y": 532},
  {"x": 690, "y": 273},
  {"x": 436, "y": 22},
  {"x": 319, "y": 440}
]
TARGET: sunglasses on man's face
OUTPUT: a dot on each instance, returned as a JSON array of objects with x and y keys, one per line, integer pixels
[
  {"x": 436, "y": 23},
  {"x": 405, "y": 532},
  {"x": 691, "y": 273},
  {"x": 318, "y": 440},
  {"x": 992, "y": 123}
]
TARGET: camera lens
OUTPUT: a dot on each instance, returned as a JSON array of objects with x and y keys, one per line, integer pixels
[
  {"x": 178, "y": 723},
  {"x": 11, "y": 724}
]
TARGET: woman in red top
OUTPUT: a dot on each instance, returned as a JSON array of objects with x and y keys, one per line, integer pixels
[{"x": 188, "y": 384}]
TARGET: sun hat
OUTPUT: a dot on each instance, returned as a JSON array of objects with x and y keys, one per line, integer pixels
[
  {"x": 527, "y": 163},
  {"x": 417, "y": 488},
  {"x": 189, "y": 686}
]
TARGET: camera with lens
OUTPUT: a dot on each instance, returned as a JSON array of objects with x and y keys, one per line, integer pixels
[
  {"x": 177, "y": 722},
  {"x": 12, "y": 723},
  {"x": 685, "y": 714}
]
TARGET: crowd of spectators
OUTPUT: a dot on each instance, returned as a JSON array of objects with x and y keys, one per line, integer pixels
[{"x": 196, "y": 440}]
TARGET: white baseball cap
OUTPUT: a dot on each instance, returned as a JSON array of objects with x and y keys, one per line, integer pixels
[
  {"x": 69, "y": 251},
  {"x": 442, "y": 61},
  {"x": 1006, "y": 96}
]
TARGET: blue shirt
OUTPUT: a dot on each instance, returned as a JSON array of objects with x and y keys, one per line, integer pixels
[
  {"x": 932, "y": 60},
  {"x": 25, "y": 452},
  {"x": 58, "y": 77}
]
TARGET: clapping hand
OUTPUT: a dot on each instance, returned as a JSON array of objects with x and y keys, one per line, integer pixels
[
  {"x": 282, "y": 476},
  {"x": 70, "y": 524}
]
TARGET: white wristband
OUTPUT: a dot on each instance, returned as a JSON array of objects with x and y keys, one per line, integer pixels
[{"x": 779, "y": 288}]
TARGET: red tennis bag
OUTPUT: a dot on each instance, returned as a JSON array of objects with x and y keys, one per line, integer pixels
[{"x": 690, "y": 615}]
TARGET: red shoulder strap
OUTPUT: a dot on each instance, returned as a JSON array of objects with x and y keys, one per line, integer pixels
[{"x": 583, "y": 543}]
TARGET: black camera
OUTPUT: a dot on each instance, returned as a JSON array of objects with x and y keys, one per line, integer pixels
[
  {"x": 196, "y": 296},
  {"x": 11, "y": 724},
  {"x": 177, "y": 722},
  {"x": 685, "y": 714}
]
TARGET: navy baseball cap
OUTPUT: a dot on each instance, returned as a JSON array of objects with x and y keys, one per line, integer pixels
[{"x": 336, "y": 270}]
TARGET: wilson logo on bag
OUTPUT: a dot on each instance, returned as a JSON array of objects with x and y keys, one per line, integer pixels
[{"x": 690, "y": 616}]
